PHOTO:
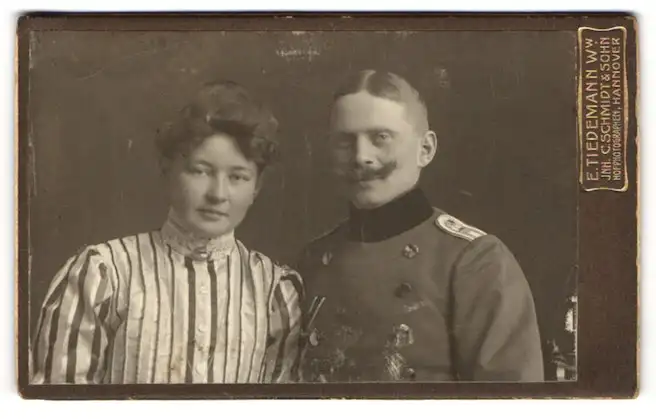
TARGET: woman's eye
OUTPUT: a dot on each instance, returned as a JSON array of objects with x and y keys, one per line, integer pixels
[
  {"x": 197, "y": 171},
  {"x": 239, "y": 178}
]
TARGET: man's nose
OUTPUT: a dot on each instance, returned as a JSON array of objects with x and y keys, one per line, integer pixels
[{"x": 364, "y": 151}]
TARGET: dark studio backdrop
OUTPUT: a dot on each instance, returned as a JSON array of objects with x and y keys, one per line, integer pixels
[{"x": 503, "y": 105}]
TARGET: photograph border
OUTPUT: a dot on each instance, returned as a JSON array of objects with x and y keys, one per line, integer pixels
[{"x": 607, "y": 354}]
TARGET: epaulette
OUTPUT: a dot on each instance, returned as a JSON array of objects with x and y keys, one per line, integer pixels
[{"x": 457, "y": 228}]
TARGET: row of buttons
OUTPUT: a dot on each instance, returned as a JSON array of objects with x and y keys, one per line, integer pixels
[{"x": 409, "y": 251}]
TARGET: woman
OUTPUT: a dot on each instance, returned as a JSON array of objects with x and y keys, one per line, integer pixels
[{"x": 187, "y": 303}]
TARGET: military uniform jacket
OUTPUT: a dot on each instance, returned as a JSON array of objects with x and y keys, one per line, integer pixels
[{"x": 441, "y": 301}]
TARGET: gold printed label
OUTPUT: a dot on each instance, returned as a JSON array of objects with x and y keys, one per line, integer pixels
[{"x": 602, "y": 108}]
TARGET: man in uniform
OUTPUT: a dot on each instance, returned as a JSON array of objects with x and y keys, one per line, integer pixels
[{"x": 402, "y": 291}]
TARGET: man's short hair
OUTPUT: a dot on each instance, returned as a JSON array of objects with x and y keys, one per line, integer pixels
[
  {"x": 223, "y": 107},
  {"x": 390, "y": 86}
]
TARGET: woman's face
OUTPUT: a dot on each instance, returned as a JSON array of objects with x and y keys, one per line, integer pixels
[{"x": 213, "y": 186}]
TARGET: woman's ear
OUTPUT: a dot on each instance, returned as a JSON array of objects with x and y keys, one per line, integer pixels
[
  {"x": 259, "y": 182},
  {"x": 427, "y": 149}
]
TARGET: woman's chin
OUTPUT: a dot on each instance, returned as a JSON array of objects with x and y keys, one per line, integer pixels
[{"x": 210, "y": 230}]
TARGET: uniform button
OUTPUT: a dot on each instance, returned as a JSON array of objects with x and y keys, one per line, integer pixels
[
  {"x": 313, "y": 338},
  {"x": 203, "y": 289},
  {"x": 410, "y": 251},
  {"x": 402, "y": 290},
  {"x": 326, "y": 258},
  {"x": 202, "y": 328}
]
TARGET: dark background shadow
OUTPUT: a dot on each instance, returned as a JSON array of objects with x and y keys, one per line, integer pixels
[{"x": 503, "y": 105}]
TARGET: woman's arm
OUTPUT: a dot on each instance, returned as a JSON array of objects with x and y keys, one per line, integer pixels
[
  {"x": 287, "y": 319},
  {"x": 72, "y": 334}
]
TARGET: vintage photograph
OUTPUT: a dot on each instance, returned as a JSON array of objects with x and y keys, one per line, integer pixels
[{"x": 304, "y": 206}]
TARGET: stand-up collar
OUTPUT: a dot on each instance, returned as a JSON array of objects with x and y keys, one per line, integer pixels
[
  {"x": 389, "y": 220},
  {"x": 187, "y": 244}
]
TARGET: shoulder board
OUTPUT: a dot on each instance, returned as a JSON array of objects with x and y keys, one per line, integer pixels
[{"x": 457, "y": 228}]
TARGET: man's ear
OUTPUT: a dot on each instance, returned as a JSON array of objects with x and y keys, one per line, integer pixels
[{"x": 427, "y": 149}]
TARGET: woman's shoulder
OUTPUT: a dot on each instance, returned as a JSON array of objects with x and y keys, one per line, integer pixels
[
  {"x": 112, "y": 248},
  {"x": 275, "y": 272},
  {"x": 260, "y": 260}
]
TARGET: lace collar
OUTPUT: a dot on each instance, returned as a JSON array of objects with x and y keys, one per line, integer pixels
[{"x": 185, "y": 243}]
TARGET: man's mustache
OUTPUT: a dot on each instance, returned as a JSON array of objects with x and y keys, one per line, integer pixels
[{"x": 360, "y": 173}]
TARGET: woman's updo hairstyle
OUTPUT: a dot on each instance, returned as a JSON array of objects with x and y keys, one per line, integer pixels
[{"x": 223, "y": 107}]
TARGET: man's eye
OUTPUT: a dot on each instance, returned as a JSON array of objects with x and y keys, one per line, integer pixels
[{"x": 382, "y": 136}]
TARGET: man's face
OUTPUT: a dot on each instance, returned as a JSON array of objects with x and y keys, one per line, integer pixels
[
  {"x": 213, "y": 187},
  {"x": 376, "y": 148}
]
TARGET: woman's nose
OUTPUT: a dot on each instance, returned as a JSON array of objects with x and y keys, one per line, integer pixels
[{"x": 218, "y": 190}]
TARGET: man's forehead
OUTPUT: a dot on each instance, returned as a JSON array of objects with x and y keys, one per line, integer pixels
[{"x": 362, "y": 108}]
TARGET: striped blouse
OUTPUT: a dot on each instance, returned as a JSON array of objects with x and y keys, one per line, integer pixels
[{"x": 148, "y": 309}]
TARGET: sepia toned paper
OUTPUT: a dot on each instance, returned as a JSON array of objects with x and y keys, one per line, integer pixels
[{"x": 511, "y": 273}]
